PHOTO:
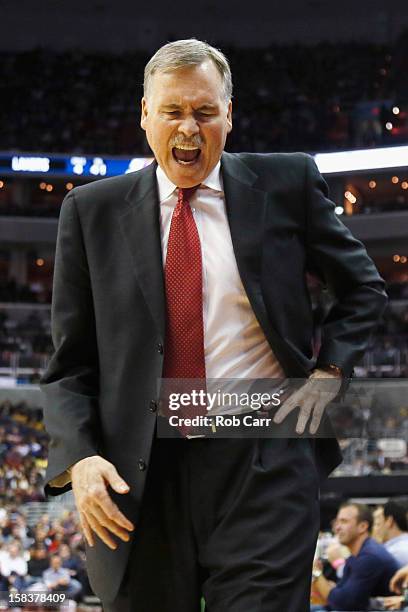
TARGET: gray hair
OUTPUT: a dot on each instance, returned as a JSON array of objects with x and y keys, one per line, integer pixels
[{"x": 189, "y": 52}]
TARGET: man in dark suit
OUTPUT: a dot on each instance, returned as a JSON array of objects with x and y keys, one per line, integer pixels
[{"x": 194, "y": 267}]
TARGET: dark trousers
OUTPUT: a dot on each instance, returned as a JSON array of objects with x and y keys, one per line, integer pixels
[{"x": 234, "y": 520}]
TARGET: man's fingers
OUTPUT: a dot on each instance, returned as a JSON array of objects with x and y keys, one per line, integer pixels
[
  {"x": 317, "y": 416},
  {"x": 100, "y": 531},
  {"x": 90, "y": 478},
  {"x": 304, "y": 416},
  {"x": 101, "y": 498},
  {"x": 116, "y": 482},
  {"x": 398, "y": 581},
  {"x": 294, "y": 401},
  {"x": 393, "y": 602},
  {"x": 110, "y": 524},
  {"x": 287, "y": 407},
  {"x": 87, "y": 530}
]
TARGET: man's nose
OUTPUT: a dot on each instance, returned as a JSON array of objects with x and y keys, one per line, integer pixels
[{"x": 189, "y": 127}]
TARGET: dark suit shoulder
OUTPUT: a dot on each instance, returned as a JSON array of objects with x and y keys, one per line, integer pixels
[
  {"x": 114, "y": 192},
  {"x": 105, "y": 188},
  {"x": 286, "y": 169},
  {"x": 255, "y": 161}
]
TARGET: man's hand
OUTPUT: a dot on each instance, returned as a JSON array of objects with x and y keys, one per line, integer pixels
[
  {"x": 392, "y": 603},
  {"x": 97, "y": 512},
  {"x": 312, "y": 398},
  {"x": 399, "y": 580}
]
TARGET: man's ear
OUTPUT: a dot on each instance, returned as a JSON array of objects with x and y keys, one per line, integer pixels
[
  {"x": 143, "y": 117},
  {"x": 388, "y": 522},
  {"x": 229, "y": 116}
]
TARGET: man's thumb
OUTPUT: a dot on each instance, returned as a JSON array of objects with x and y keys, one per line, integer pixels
[{"x": 116, "y": 482}]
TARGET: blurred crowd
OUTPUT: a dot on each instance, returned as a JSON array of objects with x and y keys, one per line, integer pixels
[
  {"x": 368, "y": 455},
  {"x": 23, "y": 453},
  {"x": 321, "y": 97},
  {"x": 44, "y": 556},
  {"x": 25, "y": 342},
  {"x": 11, "y": 291}
]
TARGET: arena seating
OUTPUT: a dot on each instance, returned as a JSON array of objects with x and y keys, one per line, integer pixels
[{"x": 321, "y": 97}]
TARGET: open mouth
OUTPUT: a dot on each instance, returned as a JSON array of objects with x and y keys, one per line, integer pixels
[{"x": 186, "y": 156}]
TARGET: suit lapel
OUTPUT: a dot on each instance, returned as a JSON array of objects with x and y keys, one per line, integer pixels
[
  {"x": 140, "y": 226},
  {"x": 246, "y": 207}
]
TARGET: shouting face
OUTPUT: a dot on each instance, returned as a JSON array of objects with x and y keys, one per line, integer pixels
[{"x": 187, "y": 118}]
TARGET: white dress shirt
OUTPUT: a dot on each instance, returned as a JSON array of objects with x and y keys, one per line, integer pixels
[
  {"x": 398, "y": 547},
  {"x": 234, "y": 343}
]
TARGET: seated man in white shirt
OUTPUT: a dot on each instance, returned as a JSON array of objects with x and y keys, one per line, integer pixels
[
  {"x": 391, "y": 525},
  {"x": 13, "y": 566},
  {"x": 58, "y": 579}
]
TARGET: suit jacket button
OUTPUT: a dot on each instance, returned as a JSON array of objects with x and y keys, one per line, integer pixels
[
  {"x": 160, "y": 348},
  {"x": 153, "y": 405},
  {"x": 142, "y": 465}
]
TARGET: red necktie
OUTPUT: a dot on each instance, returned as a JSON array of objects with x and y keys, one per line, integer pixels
[
  {"x": 184, "y": 346},
  {"x": 184, "y": 342}
]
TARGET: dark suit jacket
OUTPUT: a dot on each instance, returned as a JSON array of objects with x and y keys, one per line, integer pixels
[{"x": 108, "y": 314}]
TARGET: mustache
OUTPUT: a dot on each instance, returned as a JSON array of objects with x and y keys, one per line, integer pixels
[{"x": 178, "y": 141}]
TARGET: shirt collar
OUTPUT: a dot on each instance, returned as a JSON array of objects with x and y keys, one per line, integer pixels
[
  {"x": 166, "y": 187},
  {"x": 401, "y": 536}
]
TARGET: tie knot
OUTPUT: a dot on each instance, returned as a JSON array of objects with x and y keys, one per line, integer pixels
[{"x": 185, "y": 193}]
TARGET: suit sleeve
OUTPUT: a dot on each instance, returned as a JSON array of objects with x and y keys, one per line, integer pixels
[
  {"x": 347, "y": 269},
  {"x": 70, "y": 382}
]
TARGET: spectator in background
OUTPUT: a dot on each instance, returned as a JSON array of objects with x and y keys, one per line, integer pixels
[
  {"x": 73, "y": 562},
  {"x": 391, "y": 526},
  {"x": 57, "y": 579},
  {"x": 39, "y": 561},
  {"x": 368, "y": 570},
  {"x": 13, "y": 567},
  {"x": 70, "y": 561}
]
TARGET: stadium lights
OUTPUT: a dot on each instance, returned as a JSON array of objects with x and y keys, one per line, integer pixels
[
  {"x": 362, "y": 159},
  {"x": 350, "y": 197}
]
